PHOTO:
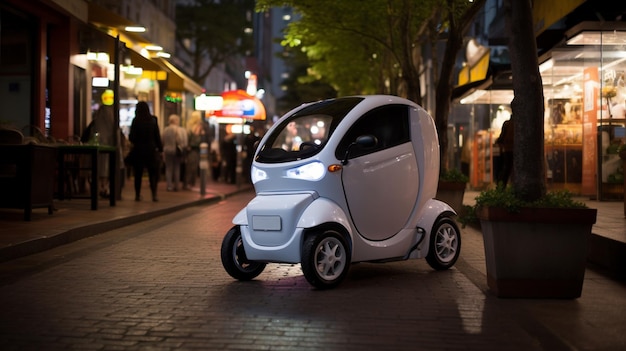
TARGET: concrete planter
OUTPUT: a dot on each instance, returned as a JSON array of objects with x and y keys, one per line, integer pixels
[
  {"x": 536, "y": 253},
  {"x": 451, "y": 193}
]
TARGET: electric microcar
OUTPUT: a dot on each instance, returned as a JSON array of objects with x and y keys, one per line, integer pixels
[{"x": 342, "y": 181}]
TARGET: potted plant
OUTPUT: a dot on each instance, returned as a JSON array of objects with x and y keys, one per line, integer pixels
[
  {"x": 534, "y": 249},
  {"x": 451, "y": 188},
  {"x": 535, "y": 241}
]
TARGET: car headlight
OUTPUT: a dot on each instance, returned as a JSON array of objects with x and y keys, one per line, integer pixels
[
  {"x": 257, "y": 175},
  {"x": 310, "y": 171}
]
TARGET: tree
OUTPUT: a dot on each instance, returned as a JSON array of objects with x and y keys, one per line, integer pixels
[
  {"x": 212, "y": 32},
  {"x": 361, "y": 47},
  {"x": 456, "y": 19},
  {"x": 301, "y": 86},
  {"x": 527, "y": 104},
  {"x": 376, "y": 46}
]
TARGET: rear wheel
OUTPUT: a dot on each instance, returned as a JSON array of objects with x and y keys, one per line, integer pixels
[
  {"x": 445, "y": 244},
  {"x": 234, "y": 257},
  {"x": 325, "y": 259}
]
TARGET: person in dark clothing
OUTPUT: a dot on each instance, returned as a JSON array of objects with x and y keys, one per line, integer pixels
[
  {"x": 228, "y": 151},
  {"x": 505, "y": 143},
  {"x": 147, "y": 150},
  {"x": 250, "y": 143}
]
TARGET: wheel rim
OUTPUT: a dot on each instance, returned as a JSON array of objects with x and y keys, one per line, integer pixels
[
  {"x": 446, "y": 243},
  {"x": 240, "y": 258},
  {"x": 330, "y": 258}
]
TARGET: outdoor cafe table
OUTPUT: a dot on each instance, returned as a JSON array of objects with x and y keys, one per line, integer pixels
[{"x": 92, "y": 151}]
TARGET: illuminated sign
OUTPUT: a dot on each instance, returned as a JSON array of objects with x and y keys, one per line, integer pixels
[{"x": 238, "y": 103}]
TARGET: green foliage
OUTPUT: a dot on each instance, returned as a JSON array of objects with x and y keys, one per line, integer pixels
[
  {"x": 301, "y": 90},
  {"x": 359, "y": 47},
  {"x": 453, "y": 175},
  {"x": 506, "y": 198},
  {"x": 467, "y": 216},
  {"x": 214, "y": 30}
]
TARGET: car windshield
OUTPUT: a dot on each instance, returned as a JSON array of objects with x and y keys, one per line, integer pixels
[{"x": 306, "y": 132}]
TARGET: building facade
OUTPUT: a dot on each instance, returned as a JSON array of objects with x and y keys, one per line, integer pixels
[
  {"x": 60, "y": 56},
  {"x": 582, "y": 57}
]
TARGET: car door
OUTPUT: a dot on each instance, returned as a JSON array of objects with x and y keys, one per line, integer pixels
[{"x": 380, "y": 183}]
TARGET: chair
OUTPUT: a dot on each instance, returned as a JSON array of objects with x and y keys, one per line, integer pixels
[
  {"x": 25, "y": 177},
  {"x": 35, "y": 134},
  {"x": 11, "y": 136}
]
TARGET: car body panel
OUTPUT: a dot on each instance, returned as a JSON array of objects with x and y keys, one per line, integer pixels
[{"x": 381, "y": 199}]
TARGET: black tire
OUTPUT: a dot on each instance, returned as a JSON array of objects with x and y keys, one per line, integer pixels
[
  {"x": 234, "y": 257},
  {"x": 445, "y": 244},
  {"x": 325, "y": 259}
]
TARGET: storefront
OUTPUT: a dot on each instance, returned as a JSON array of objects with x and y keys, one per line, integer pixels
[
  {"x": 145, "y": 74},
  {"x": 584, "y": 122},
  {"x": 59, "y": 57}
]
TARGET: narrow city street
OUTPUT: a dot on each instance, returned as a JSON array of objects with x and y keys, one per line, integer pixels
[{"x": 160, "y": 285}]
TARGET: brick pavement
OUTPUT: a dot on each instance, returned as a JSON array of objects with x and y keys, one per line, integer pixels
[{"x": 160, "y": 285}]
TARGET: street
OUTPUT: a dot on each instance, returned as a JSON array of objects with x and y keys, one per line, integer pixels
[{"x": 160, "y": 285}]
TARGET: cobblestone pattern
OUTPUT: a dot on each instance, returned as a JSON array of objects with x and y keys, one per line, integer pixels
[{"x": 160, "y": 285}]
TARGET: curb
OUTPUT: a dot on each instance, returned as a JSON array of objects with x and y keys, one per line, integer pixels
[{"x": 46, "y": 243}]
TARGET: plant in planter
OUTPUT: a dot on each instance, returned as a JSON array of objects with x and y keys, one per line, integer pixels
[
  {"x": 535, "y": 242},
  {"x": 451, "y": 188},
  {"x": 534, "y": 249}
]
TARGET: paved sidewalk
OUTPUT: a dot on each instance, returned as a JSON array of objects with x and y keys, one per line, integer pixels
[
  {"x": 73, "y": 219},
  {"x": 595, "y": 321}
]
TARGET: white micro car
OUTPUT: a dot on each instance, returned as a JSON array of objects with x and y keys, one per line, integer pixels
[{"x": 341, "y": 181}]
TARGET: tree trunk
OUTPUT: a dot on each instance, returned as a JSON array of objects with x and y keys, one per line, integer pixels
[
  {"x": 527, "y": 105},
  {"x": 444, "y": 83},
  {"x": 443, "y": 93}
]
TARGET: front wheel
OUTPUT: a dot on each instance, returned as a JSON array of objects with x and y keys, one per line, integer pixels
[
  {"x": 234, "y": 257},
  {"x": 325, "y": 259},
  {"x": 445, "y": 244}
]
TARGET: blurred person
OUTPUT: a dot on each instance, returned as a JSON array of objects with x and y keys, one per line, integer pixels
[
  {"x": 197, "y": 134},
  {"x": 505, "y": 145},
  {"x": 174, "y": 145},
  {"x": 228, "y": 152},
  {"x": 101, "y": 131},
  {"x": 216, "y": 161},
  {"x": 250, "y": 144},
  {"x": 147, "y": 148}
]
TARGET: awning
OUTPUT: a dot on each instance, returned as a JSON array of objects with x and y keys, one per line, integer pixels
[
  {"x": 151, "y": 69},
  {"x": 154, "y": 68},
  {"x": 477, "y": 69},
  {"x": 108, "y": 21},
  {"x": 495, "y": 88},
  {"x": 177, "y": 80}
]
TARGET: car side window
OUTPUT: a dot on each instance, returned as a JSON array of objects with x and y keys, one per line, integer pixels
[{"x": 389, "y": 124}]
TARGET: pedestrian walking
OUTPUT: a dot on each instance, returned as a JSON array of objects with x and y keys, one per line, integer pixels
[
  {"x": 101, "y": 131},
  {"x": 174, "y": 145},
  {"x": 197, "y": 134},
  {"x": 505, "y": 144},
  {"x": 147, "y": 148},
  {"x": 228, "y": 151}
]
